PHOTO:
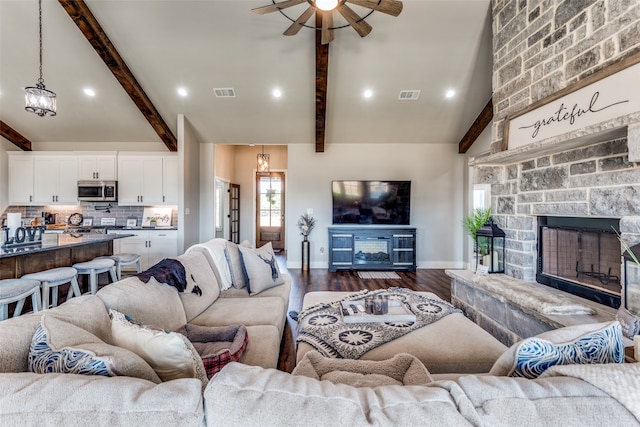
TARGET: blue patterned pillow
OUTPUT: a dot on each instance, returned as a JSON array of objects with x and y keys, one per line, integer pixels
[
  {"x": 43, "y": 359},
  {"x": 61, "y": 347},
  {"x": 535, "y": 355}
]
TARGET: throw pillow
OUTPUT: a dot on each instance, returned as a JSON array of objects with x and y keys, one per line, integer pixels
[
  {"x": 260, "y": 268},
  {"x": 60, "y": 347},
  {"x": 217, "y": 345},
  {"x": 579, "y": 344},
  {"x": 402, "y": 369},
  {"x": 232, "y": 253},
  {"x": 170, "y": 354},
  {"x": 214, "y": 250},
  {"x": 630, "y": 323}
]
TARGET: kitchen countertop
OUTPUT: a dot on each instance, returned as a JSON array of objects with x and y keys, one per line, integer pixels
[{"x": 52, "y": 242}]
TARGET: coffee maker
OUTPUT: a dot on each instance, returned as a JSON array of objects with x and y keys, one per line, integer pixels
[{"x": 48, "y": 218}]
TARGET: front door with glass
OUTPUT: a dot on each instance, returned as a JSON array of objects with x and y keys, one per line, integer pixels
[{"x": 270, "y": 209}]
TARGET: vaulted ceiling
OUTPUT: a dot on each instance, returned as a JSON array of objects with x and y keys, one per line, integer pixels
[{"x": 433, "y": 46}]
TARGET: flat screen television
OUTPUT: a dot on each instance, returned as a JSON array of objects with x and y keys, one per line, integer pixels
[{"x": 371, "y": 202}]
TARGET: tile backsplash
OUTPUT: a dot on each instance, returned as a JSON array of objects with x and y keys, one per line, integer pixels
[{"x": 90, "y": 210}]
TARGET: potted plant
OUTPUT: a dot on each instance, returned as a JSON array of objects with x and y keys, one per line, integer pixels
[
  {"x": 306, "y": 224},
  {"x": 473, "y": 223}
]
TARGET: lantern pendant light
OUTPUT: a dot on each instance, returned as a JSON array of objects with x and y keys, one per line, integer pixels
[{"x": 38, "y": 99}]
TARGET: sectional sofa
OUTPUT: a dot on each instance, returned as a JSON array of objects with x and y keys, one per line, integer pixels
[{"x": 251, "y": 392}]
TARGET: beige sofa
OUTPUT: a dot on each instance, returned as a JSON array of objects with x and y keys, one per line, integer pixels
[
  {"x": 70, "y": 399},
  {"x": 252, "y": 393}
]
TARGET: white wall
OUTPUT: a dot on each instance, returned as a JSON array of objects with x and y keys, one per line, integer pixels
[
  {"x": 188, "y": 185},
  {"x": 436, "y": 175},
  {"x": 207, "y": 191},
  {"x": 481, "y": 147},
  {"x": 4, "y": 172}
]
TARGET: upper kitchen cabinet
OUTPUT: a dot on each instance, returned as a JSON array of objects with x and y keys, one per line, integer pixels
[
  {"x": 20, "y": 178},
  {"x": 170, "y": 180},
  {"x": 55, "y": 179},
  {"x": 97, "y": 166},
  {"x": 145, "y": 179}
]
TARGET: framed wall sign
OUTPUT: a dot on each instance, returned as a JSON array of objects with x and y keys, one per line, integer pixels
[{"x": 603, "y": 96}]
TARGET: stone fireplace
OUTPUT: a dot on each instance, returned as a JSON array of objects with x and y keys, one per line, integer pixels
[{"x": 565, "y": 147}]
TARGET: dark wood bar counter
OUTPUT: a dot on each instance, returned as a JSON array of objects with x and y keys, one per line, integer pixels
[{"x": 55, "y": 250}]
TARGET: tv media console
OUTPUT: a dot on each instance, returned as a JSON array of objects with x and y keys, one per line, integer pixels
[{"x": 372, "y": 248}]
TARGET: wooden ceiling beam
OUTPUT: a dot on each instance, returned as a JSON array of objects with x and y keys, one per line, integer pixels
[
  {"x": 93, "y": 32},
  {"x": 15, "y": 137},
  {"x": 322, "y": 70},
  {"x": 481, "y": 122}
]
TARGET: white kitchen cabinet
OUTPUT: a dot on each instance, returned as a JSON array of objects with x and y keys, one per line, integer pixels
[
  {"x": 96, "y": 166},
  {"x": 152, "y": 245},
  {"x": 170, "y": 180},
  {"x": 20, "y": 179},
  {"x": 55, "y": 180},
  {"x": 142, "y": 180}
]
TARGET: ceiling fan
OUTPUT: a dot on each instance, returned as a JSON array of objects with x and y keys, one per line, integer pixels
[{"x": 326, "y": 8}]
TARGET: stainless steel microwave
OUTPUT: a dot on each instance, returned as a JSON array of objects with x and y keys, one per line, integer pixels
[{"x": 98, "y": 191}]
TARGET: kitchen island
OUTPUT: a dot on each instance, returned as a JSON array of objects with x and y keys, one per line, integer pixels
[{"x": 55, "y": 250}]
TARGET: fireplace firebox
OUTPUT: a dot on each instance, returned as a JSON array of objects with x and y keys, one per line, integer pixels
[{"x": 581, "y": 256}]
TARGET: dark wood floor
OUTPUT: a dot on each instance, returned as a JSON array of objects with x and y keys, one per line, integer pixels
[{"x": 426, "y": 280}]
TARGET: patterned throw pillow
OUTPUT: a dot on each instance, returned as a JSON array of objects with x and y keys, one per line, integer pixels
[
  {"x": 260, "y": 268},
  {"x": 573, "y": 345},
  {"x": 60, "y": 347},
  {"x": 232, "y": 253},
  {"x": 170, "y": 354}
]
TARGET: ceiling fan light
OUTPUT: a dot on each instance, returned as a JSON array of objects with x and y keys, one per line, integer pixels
[{"x": 326, "y": 4}]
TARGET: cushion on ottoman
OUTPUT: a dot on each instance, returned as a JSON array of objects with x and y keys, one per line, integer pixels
[
  {"x": 402, "y": 369},
  {"x": 217, "y": 346}
]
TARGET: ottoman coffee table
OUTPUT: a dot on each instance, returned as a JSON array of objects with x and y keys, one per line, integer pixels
[{"x": 453, "y": 344}]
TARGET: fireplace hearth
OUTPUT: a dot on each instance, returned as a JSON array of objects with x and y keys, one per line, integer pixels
[{"x": 581, "y": 256}]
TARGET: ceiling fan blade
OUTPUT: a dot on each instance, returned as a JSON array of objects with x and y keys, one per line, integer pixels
[
  {"x": 327, "y": 23},
  {"x": 390, "y": 7},
  {"x": 302, "y": 19},
  {"x": 354, "y": 20},
  {"x": 277, "y": 6}
]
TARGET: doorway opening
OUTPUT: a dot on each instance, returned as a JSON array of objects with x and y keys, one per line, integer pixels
[{"x": 270, "y": 209}]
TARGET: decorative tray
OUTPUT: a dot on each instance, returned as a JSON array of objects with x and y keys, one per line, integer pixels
[{"x": 397, "y": 312}]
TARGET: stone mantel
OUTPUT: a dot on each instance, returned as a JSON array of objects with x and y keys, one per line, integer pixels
[
  {"x": 507, "y": 320},
  {"x": 604, "y": 131}
]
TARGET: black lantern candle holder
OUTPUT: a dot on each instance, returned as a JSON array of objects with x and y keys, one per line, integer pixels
[
  {"x": 490, "y": 246},
  {"x": 632, "y": 280}
]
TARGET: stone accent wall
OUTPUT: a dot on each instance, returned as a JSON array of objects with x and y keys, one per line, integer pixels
[
  {"x": 542, "y": 46},
  {"x": 596, "y": 180}
]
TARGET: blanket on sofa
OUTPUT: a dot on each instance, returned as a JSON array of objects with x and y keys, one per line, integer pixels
[
  {"x": 321, "y": 326},
  {"x": 620, "y": 381}
]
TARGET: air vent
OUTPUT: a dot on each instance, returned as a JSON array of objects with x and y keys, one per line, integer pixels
[
  {"x": 225, "y": 92},
  {"x": 409, "y": 95}
]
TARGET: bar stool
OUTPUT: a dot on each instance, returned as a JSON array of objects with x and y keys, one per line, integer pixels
[
  {"x": 123, "y": 260},
  {"x": 51, "y": 279},
  {"x": 17, "y": 290},
  {"x": 93, "y": 268}
]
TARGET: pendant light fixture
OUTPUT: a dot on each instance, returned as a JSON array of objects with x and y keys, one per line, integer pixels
[
  {"x": 38, "y": 99},
  {"x": 263, "y": 161}
]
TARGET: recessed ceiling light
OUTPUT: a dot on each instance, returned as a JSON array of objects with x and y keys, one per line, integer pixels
[
  {"x": 450, "y": 93},
  {"x": 367, "y": 93},
  {"x": 182, "y": 91},
  {"x": 89, "y": 92},
  {"x": 277, "y": 93}
]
